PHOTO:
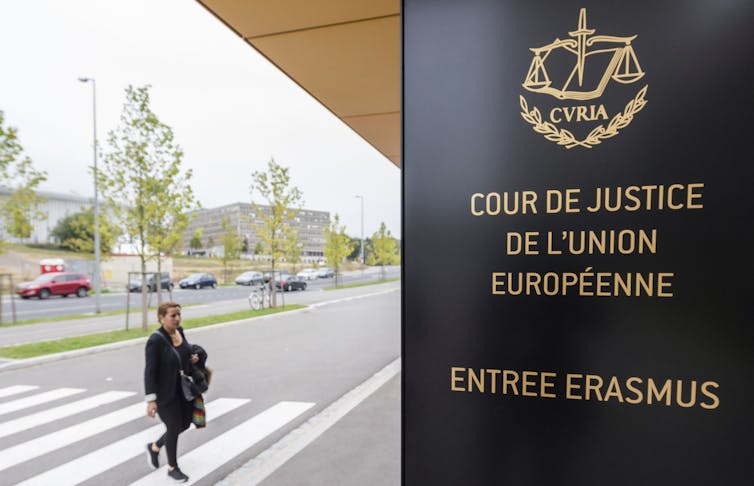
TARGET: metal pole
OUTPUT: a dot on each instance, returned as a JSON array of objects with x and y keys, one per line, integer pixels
[{"x": 97, "y": 290}]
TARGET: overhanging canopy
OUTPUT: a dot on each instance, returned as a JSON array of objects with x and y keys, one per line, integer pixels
[{"x": 345, "y": 53}]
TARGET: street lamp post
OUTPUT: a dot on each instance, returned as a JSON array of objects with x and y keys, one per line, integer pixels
[
  {"x": 97, "y": 289},
  {"x": 362, "y": 230}
]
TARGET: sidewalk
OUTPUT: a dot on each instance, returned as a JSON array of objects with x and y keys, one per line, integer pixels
[{"x": 363, "y": 448}]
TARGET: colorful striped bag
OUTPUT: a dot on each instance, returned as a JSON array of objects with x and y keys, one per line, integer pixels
[{"x": 198, "y": 418}]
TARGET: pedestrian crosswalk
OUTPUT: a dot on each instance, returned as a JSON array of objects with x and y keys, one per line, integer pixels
[{"x": 34, "y": 451}]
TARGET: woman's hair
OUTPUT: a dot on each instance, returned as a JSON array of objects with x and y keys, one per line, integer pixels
[{"x": 162, "y": 310}]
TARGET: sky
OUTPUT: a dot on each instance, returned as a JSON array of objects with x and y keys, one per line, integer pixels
[{"x": 230, "y": 109}]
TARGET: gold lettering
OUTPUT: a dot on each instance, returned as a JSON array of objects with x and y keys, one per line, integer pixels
[
  {"x": 694, "y": 195},
  {"x": 498, "y": 281},
  {"x": 705, "y": 391},
  {"x": 474, "y": 210},
  {"x": 571, "y": 386},
  {"x": 477, "y": 380},
  {"x": 630, "y": 385},
  {"x": 596, "y": 387},
  {"x": 613, "y": 390},
  {"x": 493, "y": 380},
  {"x": 654, "y": 393},
  {"x": 510, "y": 378},
  {"x": 454, "y": 378},
  {"x": 527, "y": 383},
  {"x": 546, "y": 384}
]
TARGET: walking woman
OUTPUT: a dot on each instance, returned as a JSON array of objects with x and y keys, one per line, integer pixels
[{"x": 163, "y": 385}]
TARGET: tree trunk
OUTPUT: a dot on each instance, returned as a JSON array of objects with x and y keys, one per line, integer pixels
[
  {"x": 273, "y": 294},
  {"x": 158, "y": 280},
  {"x": 144, "y": 307}
]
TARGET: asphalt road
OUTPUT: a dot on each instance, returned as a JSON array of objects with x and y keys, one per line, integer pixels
[
  {"x": 271, "y": 375},
  {"x": 60, "y": 306}
]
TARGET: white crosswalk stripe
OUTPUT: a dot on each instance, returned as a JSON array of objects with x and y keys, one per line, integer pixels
[
  {"x": 84, "y": 463},
  {"x": 213, "y": 454},
  {"x": 15, "y": 389},
  {"x": 99, "y": 461},
  {"x": 39, "y": 399},
  {"x": 55, "y": 440},
  {"x": 46, "y": 416}
]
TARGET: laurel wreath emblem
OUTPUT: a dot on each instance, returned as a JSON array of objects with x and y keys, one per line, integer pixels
[{"x": 563, "y": 137}]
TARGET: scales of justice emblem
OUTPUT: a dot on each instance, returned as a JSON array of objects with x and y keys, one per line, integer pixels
[{"x": 614, "y": 59}]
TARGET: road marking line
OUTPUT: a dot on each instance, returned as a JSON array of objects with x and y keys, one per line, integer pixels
[
  {"x": 46, "y": 416},
  {"x": 47, "y": 443},
  {"x": 37, "y": 399},
  {"x": 258, "y": 469},
  {"x": 16, "y": 389},
  {"x": 355, "y": 297},
  {"x": 99, "y": 461},
  {"x": 210, "y": 456}
]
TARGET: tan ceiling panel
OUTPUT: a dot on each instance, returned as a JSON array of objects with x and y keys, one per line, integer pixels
[
  {"x": 345, "y": 53},
  {"x": 253, "y": 18},
  {"x": 353, "y": 69},
  {"x": 382, "y": 131}
]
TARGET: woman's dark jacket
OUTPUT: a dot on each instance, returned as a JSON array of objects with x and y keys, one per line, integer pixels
[{"x": 161, "y": 370}]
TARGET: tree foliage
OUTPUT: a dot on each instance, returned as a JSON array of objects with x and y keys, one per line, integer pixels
[
  {"x": 385, "y": 249},
  {"x": 293, "y": 248},
  {"x": 232, "y": 242},
  {"x": 274, "y": 224},
  {"x": 18, "y": 175},
  {"x": 196, "y": 239},
  {"x": 356, "y": 245},
  {"x": 76, "y": 232},
  {"x": 337, "y": 245},
  {"x": 143, "y": 181}
]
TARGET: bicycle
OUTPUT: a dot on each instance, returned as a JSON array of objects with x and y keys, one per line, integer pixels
[{"x": 260, "y": 297}]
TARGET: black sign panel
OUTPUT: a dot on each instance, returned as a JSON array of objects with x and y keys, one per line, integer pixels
[{"x": 578, "y": 242}]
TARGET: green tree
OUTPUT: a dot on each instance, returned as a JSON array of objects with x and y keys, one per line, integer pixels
[
  {"x": 273, "y": 224},
  {"x": 258, "y": 248},
  {"x": 231, "y": 245},
  {"x": 143, "y": 181},
  {"x": 385, "y": 249},
  {"x": 293, "y": 248},
  {"x": 76, "y": 232},
  {"x": 18, "y": 174},
  {"x": 337, "y": 245},
  {"x": 196, "y": 239}
]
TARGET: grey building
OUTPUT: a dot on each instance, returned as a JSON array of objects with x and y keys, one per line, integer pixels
[
  {"x": 309, "y": 223},
  {"x": 56, "y": 207}
]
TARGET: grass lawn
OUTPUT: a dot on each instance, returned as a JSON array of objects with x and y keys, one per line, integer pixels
[
  {"x": 32, "y": 350},
  {"x": 363, "y": 284}
]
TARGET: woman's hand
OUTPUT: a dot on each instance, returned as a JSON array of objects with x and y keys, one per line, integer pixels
[
  {"x": 194, "y": 358},
  {"x": 151, "y": 409}
]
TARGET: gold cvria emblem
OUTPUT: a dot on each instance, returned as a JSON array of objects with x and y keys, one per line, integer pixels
[{"x": 581, "y": 68}]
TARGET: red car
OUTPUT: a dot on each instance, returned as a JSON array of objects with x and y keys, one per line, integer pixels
[{"x": 58, "y": 283}]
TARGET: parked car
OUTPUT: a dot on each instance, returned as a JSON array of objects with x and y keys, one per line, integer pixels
[
  {"x": 166, "y": 283},
  {"x": 198, "y": 281},
  {"x": 250, "y": 278},
  {"x": 325, "y": 272},
  {"x": 291, "y": 283},
  {"x": 307, "y": 274},
  {"x": 57, "y": 283},
  {"x": 279, "y": 275}
]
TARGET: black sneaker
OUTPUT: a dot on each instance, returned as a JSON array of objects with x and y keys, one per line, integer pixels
[
  {"x": 178, "y": 475},
  {"x": 153, "y": 458}
]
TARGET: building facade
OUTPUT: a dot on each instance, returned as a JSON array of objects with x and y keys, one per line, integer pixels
[
  {"x": 55, "y": 207},
  {"x": 309, "y": 224}
]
